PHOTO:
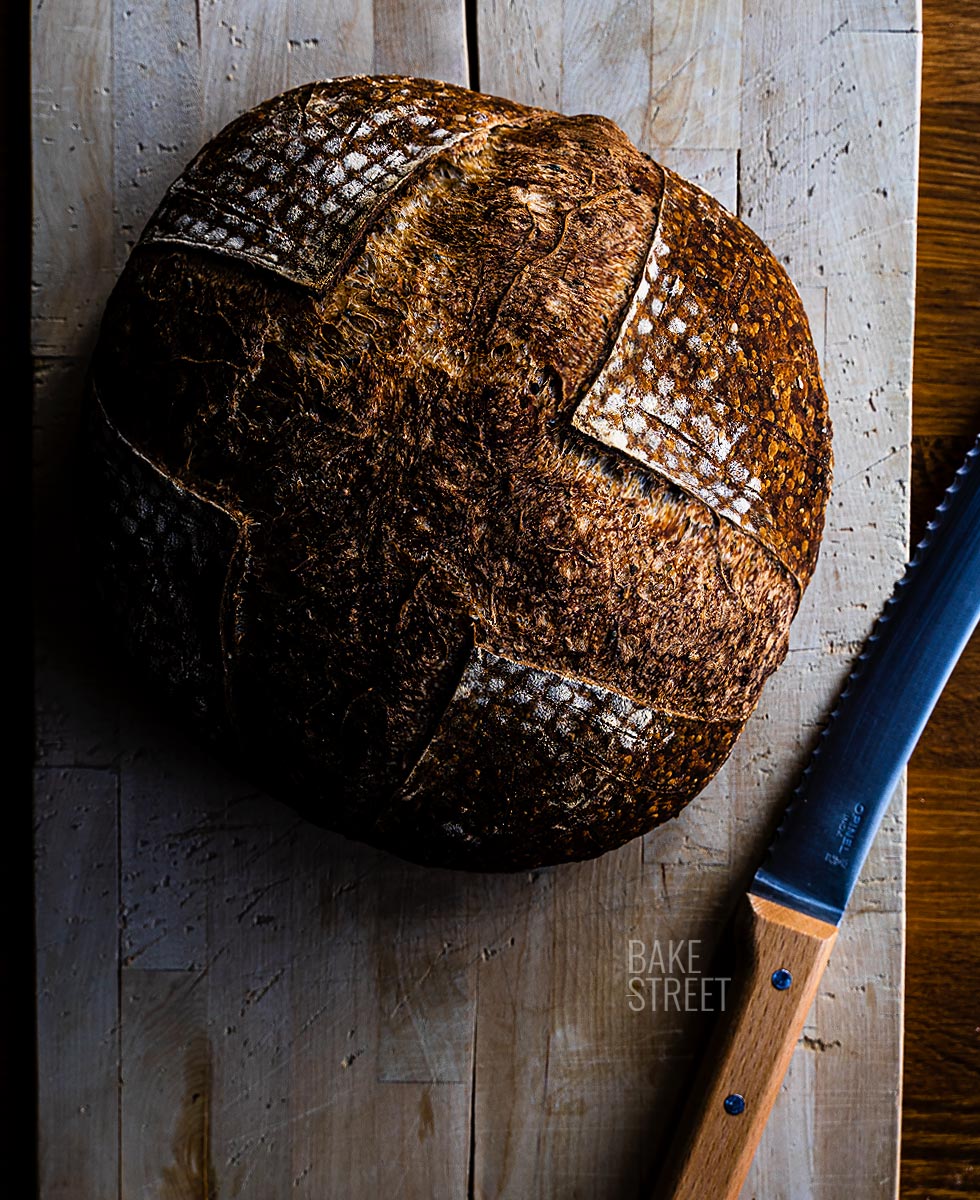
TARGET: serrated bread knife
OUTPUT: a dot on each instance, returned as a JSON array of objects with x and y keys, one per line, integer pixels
[{"x": 799, "y": 894}]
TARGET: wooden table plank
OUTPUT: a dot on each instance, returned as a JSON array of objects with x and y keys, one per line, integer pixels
[
  {"x": 941, "y": 1096},
  {"x": 520, "y": 51},
  {"x": 74, "y": 265},
  {"x": 78, "y": 1015},
  {"x": 158, "y": 121},
  {"x": 167, "y": 1069},
  {"x": 428, "y": 40},
  {"x": 353, "y": 1025},
  {"x": 825, "y": 110},
  {"x": 244, "y": 57},
  {"x": 328, "y": 38}
]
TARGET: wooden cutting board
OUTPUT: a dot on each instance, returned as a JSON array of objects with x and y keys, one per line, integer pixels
[{"x": 235, "y": 1004}]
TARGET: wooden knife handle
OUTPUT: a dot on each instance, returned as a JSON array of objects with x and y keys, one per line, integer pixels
[{"x": 748, "y": 1057}]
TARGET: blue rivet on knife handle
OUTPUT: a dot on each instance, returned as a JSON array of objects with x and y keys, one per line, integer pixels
[
  {"x": 781, "y": 979},
  {"x": 734, "y": 1104}
]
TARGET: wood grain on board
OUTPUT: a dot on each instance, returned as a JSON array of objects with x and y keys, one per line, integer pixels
[{"x": 297, "y": 1014}]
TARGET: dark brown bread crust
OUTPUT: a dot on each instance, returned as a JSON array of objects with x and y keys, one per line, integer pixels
[{"x": 509, "y": 520}]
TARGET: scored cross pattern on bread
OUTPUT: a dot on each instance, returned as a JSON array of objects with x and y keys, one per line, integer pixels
[{"x": 485, "y": 397}]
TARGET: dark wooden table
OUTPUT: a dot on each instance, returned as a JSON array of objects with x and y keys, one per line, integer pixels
[{"x": 941, "y": 1125}]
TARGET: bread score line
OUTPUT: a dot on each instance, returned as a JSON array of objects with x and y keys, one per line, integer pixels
[{"x": 416, "y": 410}]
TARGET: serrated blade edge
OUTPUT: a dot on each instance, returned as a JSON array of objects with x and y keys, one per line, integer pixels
[{"x": 827, "y": 829}]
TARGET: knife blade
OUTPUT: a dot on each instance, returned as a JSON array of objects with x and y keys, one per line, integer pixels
[
  {"x": 827, "y": 830},
  {"x": 799, "y": 894}
]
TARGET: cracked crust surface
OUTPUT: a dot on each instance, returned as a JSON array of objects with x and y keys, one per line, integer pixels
[{"x": 431, "y": 518}]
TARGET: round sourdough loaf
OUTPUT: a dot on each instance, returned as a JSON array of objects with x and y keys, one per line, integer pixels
[{"x": 458, "y": 468}]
